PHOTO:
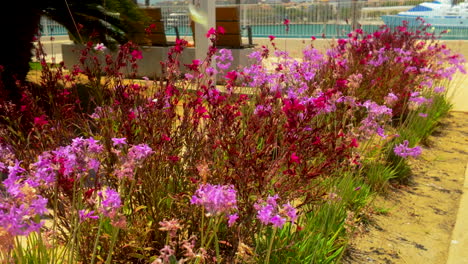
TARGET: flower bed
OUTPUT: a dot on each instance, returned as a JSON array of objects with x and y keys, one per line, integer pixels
[{"x": 183, "y": 171}]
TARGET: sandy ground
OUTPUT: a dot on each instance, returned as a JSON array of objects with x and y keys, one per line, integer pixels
[{"x": 416, "y": 220}]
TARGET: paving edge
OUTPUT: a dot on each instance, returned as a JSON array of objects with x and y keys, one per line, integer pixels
[{"x": 458, "y": 250}]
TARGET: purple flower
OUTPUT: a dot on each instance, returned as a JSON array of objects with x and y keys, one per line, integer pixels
[
  {"x": 262, "y": 110},
  {"x": 439, "y": 89},
  {"x": 216, "y": 199},
  {"x": 93, "y": 145},
  {"x": 390, "y": 99},
  {"x": 422, "y": 115},
  {"x": 110, "y": 203},
  {"x": 232, "y": 219},
  {"x": 84, "y": 215},
  {"x": 140, "y": 152},
  {"x": 269, "y": 212},
  {"x": 119, "y": 141},
  {"x": 419, "y": 100},
  {"x": 264, "y": 213},
  {"x": 277, "y": 221},
  {"x": 404, "y": 151},
  {"x": 291, "y": 212}
]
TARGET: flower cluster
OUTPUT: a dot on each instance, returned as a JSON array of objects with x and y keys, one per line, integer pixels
[
  {"x": 110, "y": 202},
  {"x": 21, "y": 203},
  {"x": 216, "y": 199},
  {"x": 270, "y": 213},
  {"x": 404, "y": 151},
  {"x": 377, "y": 114},
  {"x": 134, "y": 158}
]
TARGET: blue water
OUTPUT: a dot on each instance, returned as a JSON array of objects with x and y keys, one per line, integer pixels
[{"x": 320, "y": 31}]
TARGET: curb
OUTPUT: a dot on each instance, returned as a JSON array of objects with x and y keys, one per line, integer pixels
[{"x": 458, "y": 250}]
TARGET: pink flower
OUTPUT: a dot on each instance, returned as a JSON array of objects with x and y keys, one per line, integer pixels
[
  {"x": 272, "y": 37},
  {"x": 100, "y": 47},
  {"x": 136, "y": 54}
]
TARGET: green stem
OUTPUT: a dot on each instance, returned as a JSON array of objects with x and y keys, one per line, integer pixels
[
  {"x": 267, "y": 260},
  {"x": 115, "y": 232},
  {"x": 75, "y": 224},
  {"x": 54, "y": 225},
  {"x": 96, "y": 241},
  {"x": 218, "y": 256}
]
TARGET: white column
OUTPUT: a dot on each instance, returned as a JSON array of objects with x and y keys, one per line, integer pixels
[{"x": 207, "y": 7}]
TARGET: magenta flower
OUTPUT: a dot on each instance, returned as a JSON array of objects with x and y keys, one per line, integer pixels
[
  {"x": 294, "y": 158},
  {"x": 216, "y": 199},
  {"x": 210, "y": 32},
  {"x": 404, "y": 151},
  {"x": 40, "y": 121}
]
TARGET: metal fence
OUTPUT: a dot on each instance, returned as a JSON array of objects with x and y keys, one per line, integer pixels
[
  {"x": 49, "y": 27},
  {"x": 321, "y": 19}
]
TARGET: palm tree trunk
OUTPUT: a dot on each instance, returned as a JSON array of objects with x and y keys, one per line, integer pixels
[{"x": 18, "y": 25}]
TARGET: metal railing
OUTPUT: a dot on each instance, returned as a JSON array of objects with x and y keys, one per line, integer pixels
[{"x": 320, "y": 19}]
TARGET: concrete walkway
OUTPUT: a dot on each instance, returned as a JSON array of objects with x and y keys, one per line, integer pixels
[{"x": 458, "y": 252}]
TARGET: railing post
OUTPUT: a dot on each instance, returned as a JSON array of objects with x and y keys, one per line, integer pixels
[
  {"x": 208, "y": 8},
  {"x": 354, "y": 10}
]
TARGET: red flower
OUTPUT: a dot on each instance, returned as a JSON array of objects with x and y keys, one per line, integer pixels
[
  {"x": 286, "y": 21},
  {"x": 131, "y": 116},
  {"x": 313, "y": 38},
  {"x": 173, "y": 158},
  {"x": 271, "y": 37},
  {"x": 194, "y": 66}
]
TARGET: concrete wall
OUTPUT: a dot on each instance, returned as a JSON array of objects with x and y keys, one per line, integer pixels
[{"x": 150, "y": 65}]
